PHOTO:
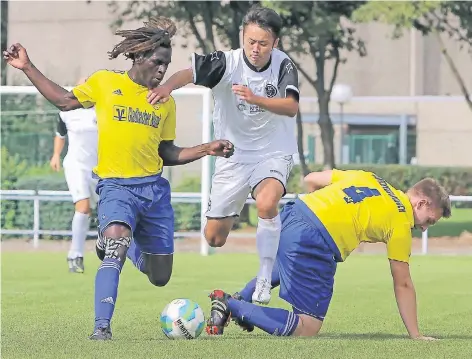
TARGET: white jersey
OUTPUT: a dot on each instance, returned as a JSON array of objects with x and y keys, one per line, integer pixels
[
  {"x": 257, "y": 134},
  {"x": 81, "y": 128}
]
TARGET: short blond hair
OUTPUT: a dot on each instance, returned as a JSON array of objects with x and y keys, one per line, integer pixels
[{"x": 437, "y": 194}]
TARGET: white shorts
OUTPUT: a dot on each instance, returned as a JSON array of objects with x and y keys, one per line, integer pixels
[
  {"x": 232, "y": 182},
  {"x": 81, "y": 185}
]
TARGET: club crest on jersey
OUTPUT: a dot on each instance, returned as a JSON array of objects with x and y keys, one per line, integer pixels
[
  {"x": 241, "y": 106},
  {"x": 270, "y": 90}
]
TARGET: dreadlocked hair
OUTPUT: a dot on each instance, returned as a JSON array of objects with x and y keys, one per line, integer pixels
[{"x": 157, "y": 32}]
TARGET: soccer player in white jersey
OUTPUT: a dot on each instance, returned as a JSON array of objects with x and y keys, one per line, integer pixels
[
  {"x": 81, "y": 128},
  {"x": 256, "y": 95}
]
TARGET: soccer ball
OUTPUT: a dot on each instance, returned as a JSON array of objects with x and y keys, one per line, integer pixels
[{"x": 182, "y": 319}]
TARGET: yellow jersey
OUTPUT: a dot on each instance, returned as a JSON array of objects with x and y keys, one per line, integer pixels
[
  {"x": 360, "y": 207},
  {"x": 129, "y": 128}
]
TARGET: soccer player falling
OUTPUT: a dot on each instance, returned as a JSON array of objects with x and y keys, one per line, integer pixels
[
  {"x": 323, "y": 228},
  {"x": 136, "y": 139},
  {"x": 80, "y": 126},
  {"x": 256, "y": 98}
]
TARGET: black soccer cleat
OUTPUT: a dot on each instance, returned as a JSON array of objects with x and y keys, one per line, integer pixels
[
  {"x": 101, "y": 333},
  {"x": 243, "y": 324},
  {"x": 219, "y": 314},
  {"x": 76, "y": 265}
]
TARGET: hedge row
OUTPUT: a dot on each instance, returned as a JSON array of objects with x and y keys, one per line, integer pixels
[{"x": 58, "y": 215}]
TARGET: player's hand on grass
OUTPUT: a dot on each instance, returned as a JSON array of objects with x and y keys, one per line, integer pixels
[
  {"x": 221, "y": 148},
  {"x": 16, "y": 56},
  {"x": 422, "y": 337},
  {"x": 55, "y": 163},
  {"x": 159, "y": 94},
  {"x": 244, "y": 93}
]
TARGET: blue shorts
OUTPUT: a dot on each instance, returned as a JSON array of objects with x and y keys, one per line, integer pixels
[
  {"x": 307, "y": 261},
  {"x": 144, "y": 207}
]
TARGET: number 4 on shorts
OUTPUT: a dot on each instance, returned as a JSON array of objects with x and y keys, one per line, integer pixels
[{"x": 357, "y": 194}]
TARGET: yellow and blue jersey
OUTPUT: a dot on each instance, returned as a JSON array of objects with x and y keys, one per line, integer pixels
[
  {"x": 360, "y": 207},
  {"x": 129, "y": 128}
]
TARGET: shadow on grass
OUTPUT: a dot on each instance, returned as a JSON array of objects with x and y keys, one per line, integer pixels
[
  {"x": 385, "y": 336},
  {"x": 330, "y": 336}
]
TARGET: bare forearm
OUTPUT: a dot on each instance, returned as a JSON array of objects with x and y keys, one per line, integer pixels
[
  {"x": 318, "y": 180},
  {"x": 406, "y": 301},
  {"x": 311, "y": 187},
  {"x": 54, "y": 93},
  {"x": 58, "y": 145},
  {"x": 182, "y": 155},
  {"x": 179, "y": 79},
  {"x": 280, "y": 106}
]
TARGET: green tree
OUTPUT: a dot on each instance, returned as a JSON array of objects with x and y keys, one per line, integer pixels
[
  {"x": 27, "y": 127},
  {"x": 205, "y": 21},
  {"x": 12, "y": 170},
  {"x": 322, "y": 31},
  {"x": 451, "y": 18}
]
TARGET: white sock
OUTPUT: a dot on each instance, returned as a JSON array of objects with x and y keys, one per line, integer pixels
[
  {"x": 267, "y": 239},
  {"x": 80, "y": 227}
]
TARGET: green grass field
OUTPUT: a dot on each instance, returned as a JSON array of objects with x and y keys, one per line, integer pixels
[{"x": 48, "y": 313}]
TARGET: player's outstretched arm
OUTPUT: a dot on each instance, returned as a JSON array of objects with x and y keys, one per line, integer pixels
[
  {"x": 176, "y": 81},
  {"x": 17, "y": 57},
  {"x": 406, "y": 298},
  {"x": 175, "y": 156}
]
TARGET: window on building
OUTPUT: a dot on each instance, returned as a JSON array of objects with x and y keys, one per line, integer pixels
[{"x": 379, "y": 144}]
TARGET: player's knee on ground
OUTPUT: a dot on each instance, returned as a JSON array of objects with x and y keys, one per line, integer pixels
[
  {"x": 159, "y": 268},
  {"x": 307, "y": 326},
  {"x": 83, "y": 206}
]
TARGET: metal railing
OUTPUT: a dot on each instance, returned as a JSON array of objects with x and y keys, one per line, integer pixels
[
  {"x": 177, "y": 197},
  {"x": 61, "y": 196}
]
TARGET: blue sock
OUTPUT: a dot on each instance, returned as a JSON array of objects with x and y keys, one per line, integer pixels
[
  {"x": 106, "y": 290},
  {"x": 274, "y": 321},
  {"x": 248, "y": 290},
  {"x": 136, "y": 256}
]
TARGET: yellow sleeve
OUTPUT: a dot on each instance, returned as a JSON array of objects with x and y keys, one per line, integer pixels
[
  {"x": 400, "y": 242},
  {"x": 88, "y": 93},
  {"x": 170, "y": 123},
  {"x": 339, "y": 175}
]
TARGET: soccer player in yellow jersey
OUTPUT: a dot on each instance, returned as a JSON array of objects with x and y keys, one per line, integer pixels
[
  {"x": 321, "y": 229},
  {"x": 135, "y": 139}
]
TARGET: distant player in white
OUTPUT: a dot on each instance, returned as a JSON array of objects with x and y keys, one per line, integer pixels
[
  {"x": 256, "y": 100},
  {"x": 81, "y": 128}
]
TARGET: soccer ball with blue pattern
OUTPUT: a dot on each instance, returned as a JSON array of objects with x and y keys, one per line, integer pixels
[{"x": 182, "y": 319}]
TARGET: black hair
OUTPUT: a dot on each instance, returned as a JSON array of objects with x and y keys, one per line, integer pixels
[
  {"x": 156, "y": 33},
  {"x": 265, "y": 18}
]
